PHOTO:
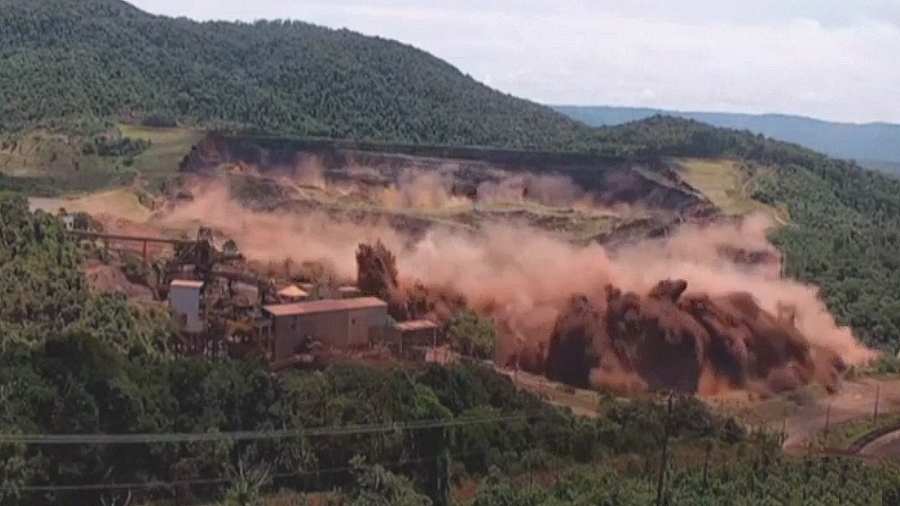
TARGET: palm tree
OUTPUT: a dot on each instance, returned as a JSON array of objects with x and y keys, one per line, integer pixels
[{"x": 246, "y": 486}]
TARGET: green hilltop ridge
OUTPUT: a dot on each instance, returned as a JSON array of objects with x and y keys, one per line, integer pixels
[
  {"x": 67, "y": 62},
  {"x": 875, "y": 144},
  {"x": 80, "y": 68}
]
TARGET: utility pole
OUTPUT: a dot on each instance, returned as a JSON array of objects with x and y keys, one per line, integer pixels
[
  {"x": 709, "y": 445},
  {"x": 784, "y": 427},
  {"x": 877, "y": 397},
  {"x": 660, "y": 484}
]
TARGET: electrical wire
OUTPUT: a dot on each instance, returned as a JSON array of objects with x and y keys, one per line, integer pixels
[
  {"x": 212, "y": 481},
  {"x": 65, "y": 439},
  {"x": 198, "y": 481}
]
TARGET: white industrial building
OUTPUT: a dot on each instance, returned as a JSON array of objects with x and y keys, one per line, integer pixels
[
  {"x": 68, "y": 221},
  {"x": 184, "y": 302}
]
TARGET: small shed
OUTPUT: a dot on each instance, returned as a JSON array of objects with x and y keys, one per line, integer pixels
[
  {"x": 184, "y": 302},
  {"x": 293, "y": 293},
  {"x": 68, "y": 221},
  {"x": 333, "y": 323},
  {"x": 403, "y": 336}
]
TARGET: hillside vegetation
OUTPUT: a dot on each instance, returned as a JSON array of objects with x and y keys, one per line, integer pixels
[
  {"x": 877, "y": 144},
  {"x": 82, "y": 63}
]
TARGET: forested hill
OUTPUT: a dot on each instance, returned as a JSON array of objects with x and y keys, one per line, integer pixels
[
  {"x": 863, "y": 142},
  {"x": 67, "y": 61}
]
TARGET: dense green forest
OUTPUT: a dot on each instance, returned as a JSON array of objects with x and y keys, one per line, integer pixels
[
  {"x": 76, "y": 363},
  {"x": 85, "y": 62}
]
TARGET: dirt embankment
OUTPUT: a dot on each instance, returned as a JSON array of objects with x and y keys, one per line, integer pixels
[
  {"x": 102, "y": 278},
  {"x": 646, "y": 183}
]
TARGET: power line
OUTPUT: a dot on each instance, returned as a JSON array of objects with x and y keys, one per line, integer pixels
[
  {"x": 145, "y": 438},
  {"x": 204, "y": 481},
  {"x": 197, "y": 481}
]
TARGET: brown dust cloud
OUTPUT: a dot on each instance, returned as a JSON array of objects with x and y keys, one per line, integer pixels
[{"x": 679, "y": 312}]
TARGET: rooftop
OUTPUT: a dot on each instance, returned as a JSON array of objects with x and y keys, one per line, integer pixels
[
  {"x": 292, "y": 291},
  {"x": 415, "y": 325},
  {"x": 323, "y": 306},
  {"x": 186, "y": 283}
]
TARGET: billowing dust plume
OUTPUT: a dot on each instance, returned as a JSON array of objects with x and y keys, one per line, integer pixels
[
  {"x": 417, "y": 188},
  {"x": 549, "y": 190},
  {"x": 429, "y": 187},
  {"x": 377, "y": 275},
  {"x": 725, "y": 320},
  {"x": 307, "y": 171}
]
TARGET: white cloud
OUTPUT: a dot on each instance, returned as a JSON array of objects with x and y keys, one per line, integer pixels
[{"x": 835, "y": 60}]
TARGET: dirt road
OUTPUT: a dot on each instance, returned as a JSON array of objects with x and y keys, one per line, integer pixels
[
  {"x": 855, "y": 400},
  {"x": 581, "y": 402},
  {"x": 887, "y": 446},
  {"x": 800, "y": 421}
]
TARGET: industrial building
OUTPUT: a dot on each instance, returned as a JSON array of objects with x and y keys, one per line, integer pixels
[
  {"x": 68, "y": 221},
  {"x": 184, "y": 302},
  {"x": 333, "y": 323}
]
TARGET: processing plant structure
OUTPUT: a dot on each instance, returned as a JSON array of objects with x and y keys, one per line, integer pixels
[{"x": 222, "y": 308}]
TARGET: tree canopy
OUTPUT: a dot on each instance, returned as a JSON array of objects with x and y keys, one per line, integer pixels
[
  {"x": 472, "y": 335},
  {"x": 83, "y": 62}
]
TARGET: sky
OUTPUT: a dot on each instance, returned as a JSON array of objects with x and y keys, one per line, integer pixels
[{"x": 829, "y": 59}]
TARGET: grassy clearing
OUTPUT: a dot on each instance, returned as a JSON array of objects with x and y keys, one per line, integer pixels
[
  {"x": 50, "y": 164},
  {"x": 724, "y": 184},
  {"x": 47, "y": 164},
  {"x": 39, "y": 154},
  {"x": 122, "y": 203},
  {"x": 168, "y": 147}
]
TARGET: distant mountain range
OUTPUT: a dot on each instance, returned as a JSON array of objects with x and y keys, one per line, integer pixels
[{"x": 874, "y": 144}]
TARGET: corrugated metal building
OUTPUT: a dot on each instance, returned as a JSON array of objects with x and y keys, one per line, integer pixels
[
  {"x": 334, "y": 323},
  {"x": 184, "y": 302}
]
